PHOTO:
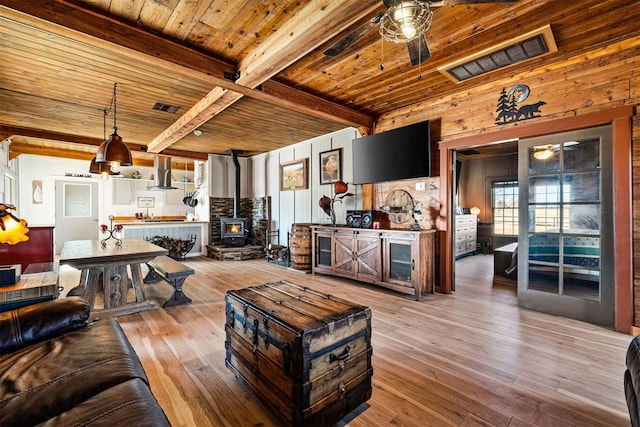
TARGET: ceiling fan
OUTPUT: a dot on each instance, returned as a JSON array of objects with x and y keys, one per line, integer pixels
[
  {"x": 405, "y": 21},
  {"x": 545, "y": 152}
]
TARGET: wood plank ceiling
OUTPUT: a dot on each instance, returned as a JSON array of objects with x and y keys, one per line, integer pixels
[{"x": 61, "y": 59}]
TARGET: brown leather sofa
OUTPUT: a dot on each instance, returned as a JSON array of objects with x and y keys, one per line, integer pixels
[
  {"x": 57, "y": 369},
  {"x": 632, "y": 381}
]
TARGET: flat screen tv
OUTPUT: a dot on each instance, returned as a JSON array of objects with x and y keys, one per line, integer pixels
[{"x": 401, "y": 153}]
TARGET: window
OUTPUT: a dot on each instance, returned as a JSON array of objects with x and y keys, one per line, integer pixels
[{"x": 504, "y": 204}]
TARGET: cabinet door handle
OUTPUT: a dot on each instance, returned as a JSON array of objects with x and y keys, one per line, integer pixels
[{"x": 413, "y": 264}]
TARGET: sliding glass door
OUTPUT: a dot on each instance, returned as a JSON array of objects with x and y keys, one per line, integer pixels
[{"x": 565, "y": 244}]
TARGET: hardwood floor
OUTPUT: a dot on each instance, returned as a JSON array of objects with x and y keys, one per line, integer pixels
[{"x": 470, "y": 358}]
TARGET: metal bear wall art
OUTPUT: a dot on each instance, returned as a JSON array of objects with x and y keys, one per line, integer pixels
[{"x": 509, "y": 106}]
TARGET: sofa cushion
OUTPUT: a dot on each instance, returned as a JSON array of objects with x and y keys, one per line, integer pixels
[
  {"x": 51, "y": 377},
  {"x": 128, "y": 404},
  {"x": 27, "y": 325},
  {"x": 632, "y": 380}
]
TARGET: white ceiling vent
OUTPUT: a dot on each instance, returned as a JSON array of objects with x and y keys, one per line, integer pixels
[{"x": 522, "y": 48}]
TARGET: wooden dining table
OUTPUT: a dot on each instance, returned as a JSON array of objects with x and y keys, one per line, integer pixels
[{"x": 108, "y": 268}]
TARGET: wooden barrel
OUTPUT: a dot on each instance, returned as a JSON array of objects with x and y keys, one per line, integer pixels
[{"x": 300, "y": 246}]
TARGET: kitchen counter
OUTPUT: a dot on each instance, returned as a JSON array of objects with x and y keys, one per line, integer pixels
[{"x": 144, "y": 222}]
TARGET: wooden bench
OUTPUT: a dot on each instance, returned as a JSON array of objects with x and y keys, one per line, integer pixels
[{"x": 174, "y": 272}]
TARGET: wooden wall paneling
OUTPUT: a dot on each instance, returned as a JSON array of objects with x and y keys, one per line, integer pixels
[
  {"x": 584, "y": 85},
  {"x": 429, "y": 199},
  {"x": 622, "y": 212},
  {"x": 635, "y": 164},
  {"x": 634, "y": 91}
]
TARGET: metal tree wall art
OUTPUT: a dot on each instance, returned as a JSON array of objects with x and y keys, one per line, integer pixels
[{"x": 509, "y": 109}]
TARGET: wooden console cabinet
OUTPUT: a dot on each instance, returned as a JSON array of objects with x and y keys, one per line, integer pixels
[{"x": 402, "y": 260}]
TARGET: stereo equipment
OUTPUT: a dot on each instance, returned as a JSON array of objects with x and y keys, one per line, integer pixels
[{"x": 361, "y": 219}]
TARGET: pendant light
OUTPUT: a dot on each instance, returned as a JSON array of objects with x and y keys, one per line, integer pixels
[
  {"x": 102, "y": 169},
  {"x": 114, "y": 151}
]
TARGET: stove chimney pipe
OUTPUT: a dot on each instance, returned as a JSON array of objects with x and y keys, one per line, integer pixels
[{"x": 236, "y": 198}]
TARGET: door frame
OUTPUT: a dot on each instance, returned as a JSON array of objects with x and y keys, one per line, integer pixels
[{"x": 620, "y": 121}]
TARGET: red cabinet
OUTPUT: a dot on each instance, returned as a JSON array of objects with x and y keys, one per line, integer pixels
[{"x": 39, "y": 248}]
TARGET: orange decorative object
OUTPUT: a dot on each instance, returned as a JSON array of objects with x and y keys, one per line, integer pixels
[
  {"x": 13, "y": 230},
  {"x": 340, "y": 187}
]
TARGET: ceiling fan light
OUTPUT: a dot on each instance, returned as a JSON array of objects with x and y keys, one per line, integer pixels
[
  {"x": 403, "y": 11},
  {"x": 405, "y": 21},
  {"x": 543, "y": 154},
  {"x": 408, "y": 31}
]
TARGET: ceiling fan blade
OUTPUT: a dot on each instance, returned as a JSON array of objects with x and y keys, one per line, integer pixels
[
  {"x": 418, "y": 50},
  {"x": 338, "y": 47}
]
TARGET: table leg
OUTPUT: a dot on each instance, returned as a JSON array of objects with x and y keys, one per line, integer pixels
[
  {"x": 115, "y": 286},
  {"x": 136, "y": 279},
  {"x": 91, "y": 284}
]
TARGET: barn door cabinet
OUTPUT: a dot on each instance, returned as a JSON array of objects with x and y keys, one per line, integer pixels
[
  {"x": 402, "y": 260},
  {"x": 357, "y": 254}
]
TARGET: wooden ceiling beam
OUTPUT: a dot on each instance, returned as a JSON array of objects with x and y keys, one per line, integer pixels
[
  {"x": 9, "y": 132},
  {"x": 17, "y": 148},
  {"x": 300, "y": 35},
  {"x": 313, "y": 25}
]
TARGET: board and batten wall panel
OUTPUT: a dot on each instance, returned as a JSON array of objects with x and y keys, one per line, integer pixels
[
  {"x": 258, "y": 175},
  {"x": 223, "y": 176},
  {"x": 301, "y": 206},
  {"x": 318, "y": 146}
]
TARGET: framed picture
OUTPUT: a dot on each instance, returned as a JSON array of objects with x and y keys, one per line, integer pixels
[
  {"x": 146, "y": 202},
  {"x": 293, "y": 175},
  {"x": 331, "y": 166}
]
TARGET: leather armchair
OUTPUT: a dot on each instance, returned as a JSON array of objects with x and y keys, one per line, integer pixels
[
  {"x": 28, "y": 325},
  {"x": 632, "y": 381},
  {"x": 56, "y": 369}
]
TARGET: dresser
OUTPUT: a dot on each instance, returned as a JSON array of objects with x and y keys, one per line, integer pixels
[{"x": 466, "y": 227}]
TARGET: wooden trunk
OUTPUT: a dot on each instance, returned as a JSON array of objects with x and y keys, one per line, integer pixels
[{"x": 307, "y": 355}]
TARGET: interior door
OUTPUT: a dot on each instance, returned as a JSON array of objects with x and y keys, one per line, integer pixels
[
  {"x": 565, "y": 244},
  {"x": 76, "y": 211}
]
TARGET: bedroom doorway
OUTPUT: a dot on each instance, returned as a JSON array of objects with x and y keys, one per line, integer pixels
[{"x": 486, "y": 208}]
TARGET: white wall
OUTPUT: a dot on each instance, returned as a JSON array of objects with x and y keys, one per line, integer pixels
[
  {"x": 49, "y": 169},
  {"x": 222, "y": 176},
  {"x": 260, "y": 177},
  {"x": 301, "y": 206}
]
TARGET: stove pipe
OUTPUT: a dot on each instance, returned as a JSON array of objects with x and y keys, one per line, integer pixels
[{"x": 236, "y": 196}]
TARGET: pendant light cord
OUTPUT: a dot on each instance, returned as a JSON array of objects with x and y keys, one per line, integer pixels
[
  {"x": 115, "y": 127},
  {"x": 112, "y": 105}
]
